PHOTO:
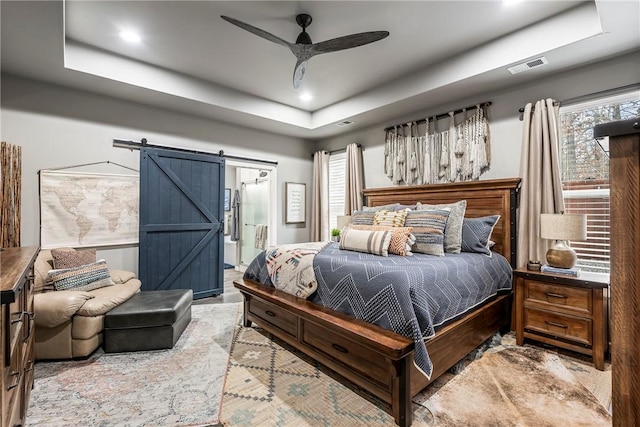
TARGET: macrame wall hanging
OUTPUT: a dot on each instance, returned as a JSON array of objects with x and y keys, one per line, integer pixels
[{"x": 460, "y": 152}]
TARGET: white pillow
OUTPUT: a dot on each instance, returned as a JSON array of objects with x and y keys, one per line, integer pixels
[{"x": 371, "y": 242}]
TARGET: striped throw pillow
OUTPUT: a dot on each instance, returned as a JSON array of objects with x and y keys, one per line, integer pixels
[
  {"x": 428, "y": 228},
  {"x": 362, "y": 217},
  {"x": 453, "y": 230},
  {"x": 371, "y": 242},
  {"x": 84, "y": 278},
  {"x": 390, "y": 218},
  {"x": 401, "y": 238}
]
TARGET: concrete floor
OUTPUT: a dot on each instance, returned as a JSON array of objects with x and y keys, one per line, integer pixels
[{"x": 230, "y": 294}]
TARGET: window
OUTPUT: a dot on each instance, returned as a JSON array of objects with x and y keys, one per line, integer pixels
[
  {"x": 585, "y": 171},
  {"x": 337, "y": 166}
]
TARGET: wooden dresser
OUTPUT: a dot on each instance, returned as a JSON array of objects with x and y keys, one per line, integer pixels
[
  {"x": 624, "y": 177},
  {"x": 16, "y": 332}
]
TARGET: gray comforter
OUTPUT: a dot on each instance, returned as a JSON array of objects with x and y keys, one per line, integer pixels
[{"x": 411, "y": 296}]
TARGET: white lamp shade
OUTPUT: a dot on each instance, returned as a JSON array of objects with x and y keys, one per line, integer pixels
[
  {"x": 563, "y": 226},
  {"x": 343, "y": 221}
]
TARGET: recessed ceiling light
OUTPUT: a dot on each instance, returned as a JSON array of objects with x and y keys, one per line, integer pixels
[
  {"x": 306, "y": 96},
  {"x": 130, "y": 36}
]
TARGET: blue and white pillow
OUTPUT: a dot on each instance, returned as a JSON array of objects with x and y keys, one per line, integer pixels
[
  {"x": 82, "y": 278},
  {"x": 476, "y": 234}
]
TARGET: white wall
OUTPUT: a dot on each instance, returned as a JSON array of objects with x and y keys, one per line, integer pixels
[
  {"x": 58, "y": 127},
  {"x": 505, "y": 126}
]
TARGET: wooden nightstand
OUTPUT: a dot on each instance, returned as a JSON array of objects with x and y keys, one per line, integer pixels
[{"x": 565, "y": 311}]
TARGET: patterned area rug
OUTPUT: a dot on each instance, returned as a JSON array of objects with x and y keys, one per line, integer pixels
[
  {"x": 181, "y": 386},
  {"x": 270, "y": 384}
]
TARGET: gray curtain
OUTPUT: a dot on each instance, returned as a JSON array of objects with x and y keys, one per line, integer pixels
[
  {"x": 235, "y": 224},
  {"x": 540, "y": 172},
  {"x": 320, "y": 197},
  {"x": 354, "y": 179}
]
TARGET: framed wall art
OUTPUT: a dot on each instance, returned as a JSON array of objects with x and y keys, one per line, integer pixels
[{"x": 295, "y": 202}]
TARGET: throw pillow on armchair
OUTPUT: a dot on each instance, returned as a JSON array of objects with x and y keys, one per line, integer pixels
[{"x": 69, "y": 323}]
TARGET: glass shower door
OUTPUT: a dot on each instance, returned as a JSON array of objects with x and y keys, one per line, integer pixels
[{"x": 254, "y": 211}]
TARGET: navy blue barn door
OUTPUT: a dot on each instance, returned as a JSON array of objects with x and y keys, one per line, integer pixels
[{"x": 181, "y": 230}]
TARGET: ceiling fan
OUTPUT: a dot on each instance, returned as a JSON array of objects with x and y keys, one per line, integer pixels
[{"x": 304, "y": 49}]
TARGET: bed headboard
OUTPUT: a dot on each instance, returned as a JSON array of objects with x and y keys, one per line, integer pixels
[{"x": 490, "y": 197}]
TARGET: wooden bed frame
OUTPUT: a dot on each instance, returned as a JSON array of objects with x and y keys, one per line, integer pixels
[{"x": 376, "y": 359}]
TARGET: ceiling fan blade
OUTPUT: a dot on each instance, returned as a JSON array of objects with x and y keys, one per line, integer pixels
[
  {"x": 347, "y": 42},
  {"x": 298, "y": 72},
  {"x": 257, "y": 31}
]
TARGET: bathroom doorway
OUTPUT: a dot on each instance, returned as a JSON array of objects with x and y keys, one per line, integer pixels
[
  {"x": 254, "y": 213},
  {"x": 256, "y": 190}
]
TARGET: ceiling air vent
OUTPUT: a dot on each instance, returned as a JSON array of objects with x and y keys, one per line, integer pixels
[
  {"x": 525, "y": 66},
  {"x": 344, "y": 123}
]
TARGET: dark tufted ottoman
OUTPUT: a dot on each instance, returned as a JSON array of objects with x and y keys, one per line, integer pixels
[{"x": 149, "y": 320}]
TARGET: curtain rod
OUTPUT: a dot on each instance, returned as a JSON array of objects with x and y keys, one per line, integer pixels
[
  {"x": 593, "y": 95},
  {"x": 340, "y": 150},
  {"x": 135, "y": 145},
  {"x": 443, "y": 115}
]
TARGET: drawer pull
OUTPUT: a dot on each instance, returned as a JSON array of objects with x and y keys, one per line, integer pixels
[
  {"x": 558, "y": 325},
  {"x": 17, "y": 375},
  {"x": 19, "y": 319},
  {"x": 31, "y": 365},
  {"x": 29, "y": 325},
  {"x": 270, "y": 313},
  {"x": 549, "y": 294},
  {"x": 340, "y": 348}
]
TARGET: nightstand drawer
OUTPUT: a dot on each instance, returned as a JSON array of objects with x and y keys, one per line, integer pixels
[
  {"x": 572, "y": 299},
  {"x": 560, "y": 326}
]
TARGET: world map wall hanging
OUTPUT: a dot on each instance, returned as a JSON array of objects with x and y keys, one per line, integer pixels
[{"x": 80, "y": 209}]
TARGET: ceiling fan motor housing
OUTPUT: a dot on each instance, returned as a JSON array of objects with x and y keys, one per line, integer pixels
[{"x": 304, "y": 21}]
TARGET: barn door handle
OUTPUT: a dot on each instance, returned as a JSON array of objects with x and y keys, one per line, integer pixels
[
  {"x": 340, "y": 348},
  {"x": 270, "y": 313}
]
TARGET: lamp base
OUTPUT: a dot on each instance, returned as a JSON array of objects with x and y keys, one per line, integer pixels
[{"x": 561, "y": 255}]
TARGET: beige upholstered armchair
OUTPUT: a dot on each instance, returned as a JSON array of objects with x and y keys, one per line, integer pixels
[{"x": 70, "y": 323}]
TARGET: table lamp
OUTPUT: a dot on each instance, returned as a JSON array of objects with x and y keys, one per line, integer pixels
[{"x": 561, "y": 228}]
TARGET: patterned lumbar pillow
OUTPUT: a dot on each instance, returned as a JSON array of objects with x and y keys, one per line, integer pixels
[
  {"x": 390, "y": 218},
  {"x": 453, "y": 230},
  {"x": 371, "y": 242},
  {"x": 69, "y": 258},
  {"x": 428, "y": 228},
  {"x": 476, "y": 233},
  {"x": 401, "y": 237},
  {"x": 83, "y": 278}
]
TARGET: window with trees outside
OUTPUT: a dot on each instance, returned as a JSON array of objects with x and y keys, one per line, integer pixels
[{"x": 585, "y": 171}]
